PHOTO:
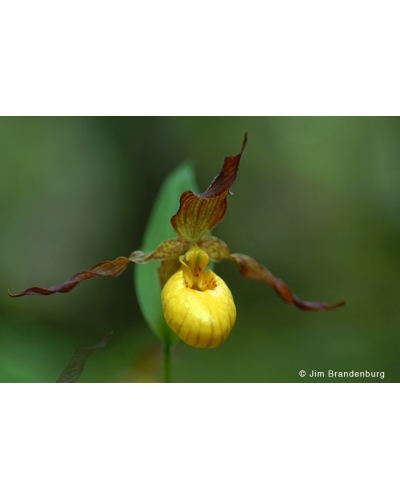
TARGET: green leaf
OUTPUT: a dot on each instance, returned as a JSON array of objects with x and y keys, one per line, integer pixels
[
  {"x": 75, "y": 367},
  {"x": 159, "y": 229}
]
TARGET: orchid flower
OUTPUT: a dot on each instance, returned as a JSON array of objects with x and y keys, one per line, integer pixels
[{"x": 197, "y": 304}]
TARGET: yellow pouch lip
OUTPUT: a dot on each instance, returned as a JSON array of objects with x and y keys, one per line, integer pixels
[{"x": 198, "y": 305}]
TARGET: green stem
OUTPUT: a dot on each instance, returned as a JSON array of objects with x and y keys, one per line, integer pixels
[{"x": 167, "y": 362}]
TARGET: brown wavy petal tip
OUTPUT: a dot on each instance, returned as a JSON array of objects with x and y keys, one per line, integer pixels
[
  {"x": 249, "y": 268},
  {"x": 167, "y": 250},
  {"x": 106, "y": 268},
  {"x": 227, "y": 175},
  {"x": 199, "y": 213}
]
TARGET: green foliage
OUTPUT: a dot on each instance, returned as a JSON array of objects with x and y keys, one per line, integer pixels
[
  {"x": 316, "y": 200},
  {"x": 159, "y": 229}
]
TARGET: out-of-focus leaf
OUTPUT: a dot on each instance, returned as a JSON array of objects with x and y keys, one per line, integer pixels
[
  {"x": 159, "y": 229},
  {"x": 75, "y": 367}
]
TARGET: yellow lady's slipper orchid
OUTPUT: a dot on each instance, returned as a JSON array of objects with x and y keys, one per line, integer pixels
[{"x": 197, "y": 304}]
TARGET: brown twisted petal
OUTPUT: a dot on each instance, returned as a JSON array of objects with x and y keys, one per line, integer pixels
[
  {"x": 167, "y": 250},
  {"x": 170, "y": 249},
  {"x": 227, "y": 175},
  {"x": 199, "y": 213},
  {"x": 249, "y": 268},
  {"x": 106, "y": 268}
]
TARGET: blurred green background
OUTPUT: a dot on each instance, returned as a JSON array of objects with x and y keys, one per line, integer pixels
[{"x": 316, "y": 201}]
